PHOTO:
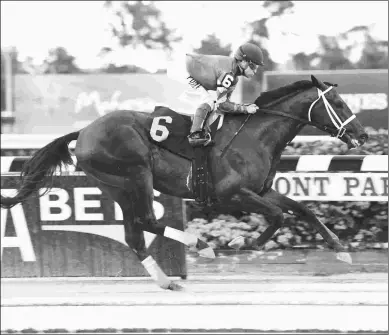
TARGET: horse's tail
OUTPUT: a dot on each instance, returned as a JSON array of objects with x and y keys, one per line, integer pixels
[{"x": 41, "y": 165}]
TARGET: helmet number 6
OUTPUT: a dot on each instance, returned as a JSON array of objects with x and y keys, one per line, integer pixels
[{"x": 227, "y": 80}]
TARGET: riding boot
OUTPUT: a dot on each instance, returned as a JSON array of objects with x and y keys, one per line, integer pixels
[{"x": 198, "y": 136}]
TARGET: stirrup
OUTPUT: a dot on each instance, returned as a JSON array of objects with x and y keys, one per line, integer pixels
[
  {"x": 199, "y": 138},
  {"x": 208, "y": 138}
]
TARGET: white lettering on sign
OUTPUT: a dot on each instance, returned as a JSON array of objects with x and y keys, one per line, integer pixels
[
  {"x": 365, "y": 101},
  {"x": 57, "y": 198},
  {"x": 333, "y": 186},
  {"x": 80, "y": 204},
  {"x": 22, "y": 240},
  {"x": 103, "y": 107}
]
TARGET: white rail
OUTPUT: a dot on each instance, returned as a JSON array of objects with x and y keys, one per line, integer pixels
[{"x": 22, "y": 141}]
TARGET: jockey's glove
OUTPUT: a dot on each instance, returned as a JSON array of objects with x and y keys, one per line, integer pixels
[{"x": 251, "y": 109}]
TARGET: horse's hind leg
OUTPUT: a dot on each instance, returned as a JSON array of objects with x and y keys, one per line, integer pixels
[
  {"x": 134, "y": 236},
  {"x": 143, "y": 203}
]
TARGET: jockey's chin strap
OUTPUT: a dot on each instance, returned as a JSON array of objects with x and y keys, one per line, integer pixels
[{"x": 339, "y": 125}]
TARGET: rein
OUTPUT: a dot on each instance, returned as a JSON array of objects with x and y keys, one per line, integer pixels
[
  {"x": 328, "y": 129},
  {"x": 288, "y": 96},
  {"x": 334, "y": 132}
]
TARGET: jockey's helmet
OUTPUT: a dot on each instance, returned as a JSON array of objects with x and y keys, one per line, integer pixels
[{"x": 250, "y": 52}]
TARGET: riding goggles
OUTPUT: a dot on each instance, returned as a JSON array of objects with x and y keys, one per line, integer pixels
[{"x": 252, "y": 65}]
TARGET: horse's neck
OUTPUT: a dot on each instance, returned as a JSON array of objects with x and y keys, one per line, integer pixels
[
  {"x": 278, "y": 131},
  {"x": 273, "y": 132}
]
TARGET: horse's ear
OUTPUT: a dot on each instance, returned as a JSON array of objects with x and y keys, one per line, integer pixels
[{"x": 315, "y": 82}]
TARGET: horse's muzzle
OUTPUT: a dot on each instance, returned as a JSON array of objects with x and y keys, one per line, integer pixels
[
  {"x": 356, "y": 142},
  {"x": 363, "y": 138}
]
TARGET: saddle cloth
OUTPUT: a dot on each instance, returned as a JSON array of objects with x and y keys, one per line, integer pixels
[{"x": 169, "y": 130}]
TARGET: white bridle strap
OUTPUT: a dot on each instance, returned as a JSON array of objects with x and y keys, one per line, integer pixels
[{"x": 336, "y": 121}]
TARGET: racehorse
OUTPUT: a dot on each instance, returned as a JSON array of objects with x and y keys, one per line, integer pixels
[{"x": 116, "y": 151}]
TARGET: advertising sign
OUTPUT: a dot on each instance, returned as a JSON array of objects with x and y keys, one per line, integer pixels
[
  {"x": 75, "y": 230},
  {"x": 333, "y": 186},
  {"x": 59, "y": 104}
]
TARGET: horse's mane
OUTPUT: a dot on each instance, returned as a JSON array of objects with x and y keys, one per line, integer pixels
[{"x": 270, "y": 96}]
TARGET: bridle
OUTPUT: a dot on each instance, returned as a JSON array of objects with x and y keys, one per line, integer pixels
[
  {"x": 337, "y": 131},
  {"x": 339, "y": 125}
]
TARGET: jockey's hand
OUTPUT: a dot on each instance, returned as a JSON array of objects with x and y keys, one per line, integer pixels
[{"x": 252, "y": 109}]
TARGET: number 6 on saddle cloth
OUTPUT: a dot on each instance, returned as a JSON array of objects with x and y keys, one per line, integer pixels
[{"x": 169, "y": 130}]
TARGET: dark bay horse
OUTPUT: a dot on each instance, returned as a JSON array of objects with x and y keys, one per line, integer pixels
[{"x": 115, "y": 150}]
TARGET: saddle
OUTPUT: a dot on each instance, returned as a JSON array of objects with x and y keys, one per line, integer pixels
[{"x": 169, "y": 130}]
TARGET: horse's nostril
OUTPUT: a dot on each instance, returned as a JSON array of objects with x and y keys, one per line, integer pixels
[{"x": 363, "y": 137}]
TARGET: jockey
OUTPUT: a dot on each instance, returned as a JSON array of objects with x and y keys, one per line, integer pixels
[{"x": 217, "y": 77}]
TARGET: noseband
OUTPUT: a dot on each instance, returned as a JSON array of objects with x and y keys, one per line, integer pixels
[{"x": 339, "y": 125}]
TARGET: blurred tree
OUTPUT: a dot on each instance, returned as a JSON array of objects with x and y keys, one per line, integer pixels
[
  {"x": 259, "y": 35},
  {"x": 278, "y": 8},
  {"x": 139, "y": 23},
  {"x": 59, "y": 61},
  {"x": 161, "y": 71},
  {"x": 335, "y": 52},
  {"x": 260, "y": 32},
  {"x": 211, "y": 45},
  {"x": 331, "y": 55},
  {"x": 112, "y": 68},
  {"x": 374, "y": 53},
  {"x": 302, "y": 61},
  {"x": 28, "y": 66}
]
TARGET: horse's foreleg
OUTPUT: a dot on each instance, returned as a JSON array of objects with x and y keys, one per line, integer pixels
[
  {"x": 252, "y": 202},
  {"x": 295, "y": 208}
]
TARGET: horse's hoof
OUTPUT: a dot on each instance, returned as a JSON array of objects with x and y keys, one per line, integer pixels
[
  {"x": 257, "y": 248},
  {"x": 175, "y": 287},
  {"x": 237, "y": 243},
  {"x": 203, "y": 249},
  {"x": 207, "y": 253},
  {"x": 344, "y": 257}
]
